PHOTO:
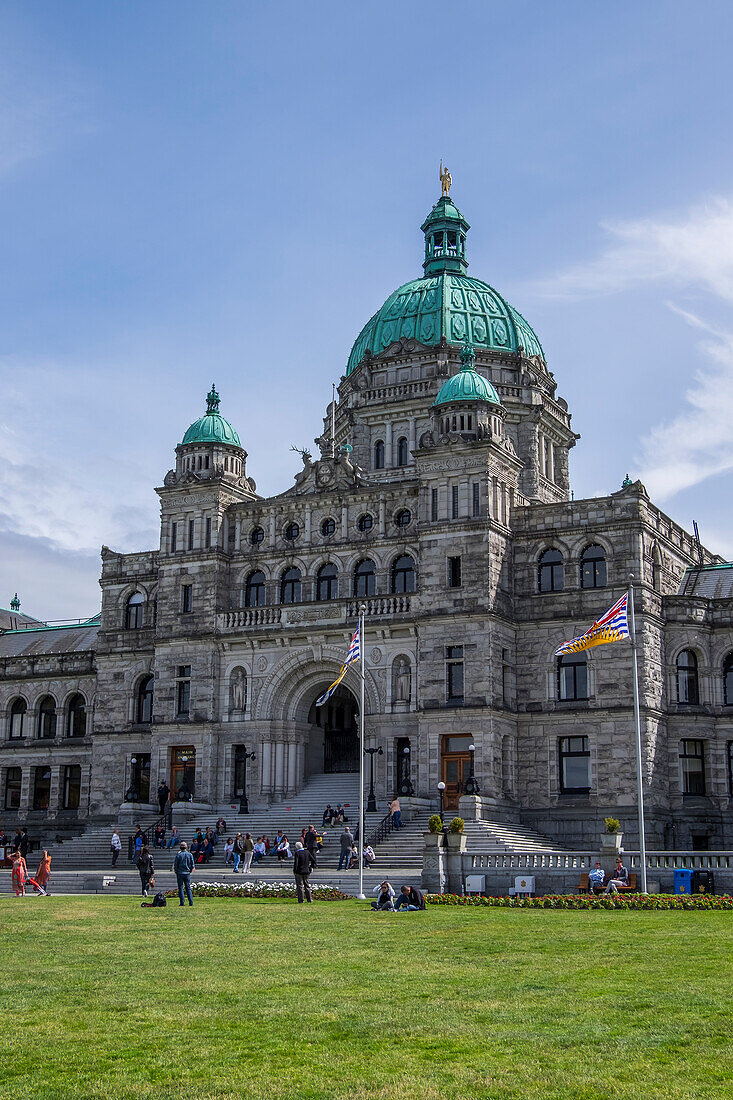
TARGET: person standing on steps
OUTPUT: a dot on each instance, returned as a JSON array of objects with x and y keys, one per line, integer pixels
[
  {"x": 394, "y": 809},
  {"x": 183, "y": 866},
  {"x": 310, "y": 841},
  {"x": 302, "y": 866},
  {"x": 163, "y": 795},
  {"x": 347, "y": 843},
  {"x": 115, "y": 846},
  {"x": 248, "y": 847}
]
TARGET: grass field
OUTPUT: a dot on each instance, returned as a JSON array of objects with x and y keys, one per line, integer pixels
[{"x": 267, "y": 999}]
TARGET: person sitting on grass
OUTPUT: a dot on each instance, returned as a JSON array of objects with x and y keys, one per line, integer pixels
[
  {"x": 385, "y": 897},
  {"x": 410, "y": 899},
  {"x": 620, "y": 877},
  {"x": 596, "y": 878}
]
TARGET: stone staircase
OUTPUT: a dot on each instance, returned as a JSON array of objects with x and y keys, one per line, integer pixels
[{"x": 497, "y": 836}]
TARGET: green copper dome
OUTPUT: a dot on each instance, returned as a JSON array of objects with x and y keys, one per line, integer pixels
[
  {"x": 212, "y": 427},
  {"x": 446, "y": 302},
  {"x": 467, "y": 385}
]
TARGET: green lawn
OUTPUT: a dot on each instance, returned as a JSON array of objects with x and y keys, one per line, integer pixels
[{"x": 261, "y": 999}]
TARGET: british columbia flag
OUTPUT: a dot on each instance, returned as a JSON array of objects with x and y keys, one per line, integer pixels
[
  {"x": 611, "y": 627},
  {"x": 353, "y": 655}
]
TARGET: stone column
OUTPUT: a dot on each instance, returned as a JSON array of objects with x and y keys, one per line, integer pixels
[
  {"x": 292, "y": 783},
  {"x": 279, "y": 784},
  {"x": 266, "y": 785},
  {"x": 388, "y": 460},
  {"x": 434, "y": 876}
]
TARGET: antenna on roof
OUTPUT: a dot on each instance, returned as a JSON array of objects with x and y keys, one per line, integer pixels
[{"x": 697, "y": 540}]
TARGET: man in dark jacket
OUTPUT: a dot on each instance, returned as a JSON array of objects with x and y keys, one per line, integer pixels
[
  {"x": 410, "y": 898},
  {"x": 311, "y": 843},
  {"x": 347, "y": 843},
  {"x": 163, "y": 793},
  {"x": 303, "y": 863},
  {"x": 23, "y": 846},
  {"x": 183, "y": 866}
]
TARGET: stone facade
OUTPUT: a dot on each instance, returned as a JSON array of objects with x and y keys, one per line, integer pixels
[{"x": 243, "y": 616}]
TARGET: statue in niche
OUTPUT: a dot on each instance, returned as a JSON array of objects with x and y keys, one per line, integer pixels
[
  {"x": 402, "y": 681},
  {"x": 238, "y": 689}
]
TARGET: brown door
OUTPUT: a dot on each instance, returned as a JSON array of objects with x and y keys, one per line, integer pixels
[
  {"x": 183, "y": 773},
  {"x": 455, "y": 769}
]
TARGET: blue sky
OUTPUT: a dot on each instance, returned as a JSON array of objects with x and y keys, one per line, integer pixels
[{"x": 226, "y": 191}]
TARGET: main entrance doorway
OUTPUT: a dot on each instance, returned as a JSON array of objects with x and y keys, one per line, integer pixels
[
  {"x": 183, "y": 773},
  {"x": 339, "y": 721},
  {"x": 455, "y": 768}
]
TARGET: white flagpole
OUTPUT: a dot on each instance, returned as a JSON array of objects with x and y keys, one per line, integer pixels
[
  {"x": 362, "y": 708},
  {"x": 637, "y": 721}
]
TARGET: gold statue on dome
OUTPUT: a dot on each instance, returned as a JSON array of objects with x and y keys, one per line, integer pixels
[{"x": 445, "y": 179}]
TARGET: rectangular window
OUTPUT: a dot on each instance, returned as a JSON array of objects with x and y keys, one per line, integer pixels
[
  {"x": 13, "y": 780},
  {"x": 692, "y": 767},
  {"x": 454, "y": 502},
  {"x": 183, "y": 691},
  {"x": 572, "y": 678},
  {"x": 41, "y": 788},
  {"x": 454, "y": 674},
  {"x": 208, "y": 532},
  {"x": 174, "y": 537},
  {"x": 186, "y": 598},
  {"x": 190, "y": 534},
  {"x": 433, "y": 504},
  {"x": 476, "y": 490},
  {"x": 505, "y": 672},
  {"x": 70, "y": 787},
  {"x": 454, "y": 572},
  {"x": 574, "y": 764}
]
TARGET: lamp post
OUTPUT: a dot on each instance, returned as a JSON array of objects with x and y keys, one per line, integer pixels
[
  {"x": 131, "y": 792},
  {"x": 244, "y": 757},
  {"x": 406, "y": 784},
  {"x": 472, "y": 786},
  {"x": 372, "y": 802},
  {"x": 441, "y": 791}
]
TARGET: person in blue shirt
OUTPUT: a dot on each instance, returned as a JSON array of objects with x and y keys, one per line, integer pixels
[{"x": 596, "y": 878}]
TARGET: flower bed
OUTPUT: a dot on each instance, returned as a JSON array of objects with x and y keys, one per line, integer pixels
[
  {"x": 258, "y": 890},
  {"x": 586, "y": 901}
]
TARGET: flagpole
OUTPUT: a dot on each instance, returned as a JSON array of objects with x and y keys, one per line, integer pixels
[
  {"x": 362, "y": 708},
  {"x": 637, "y": 721}
]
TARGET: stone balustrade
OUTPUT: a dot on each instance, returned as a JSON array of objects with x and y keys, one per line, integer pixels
[{"x": 339, "y": 611}]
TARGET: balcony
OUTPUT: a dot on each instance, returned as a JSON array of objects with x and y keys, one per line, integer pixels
[{"x": 321, "y": 612}]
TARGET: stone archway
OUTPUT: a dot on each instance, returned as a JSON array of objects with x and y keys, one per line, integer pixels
[{"x": 333, "y": 745}]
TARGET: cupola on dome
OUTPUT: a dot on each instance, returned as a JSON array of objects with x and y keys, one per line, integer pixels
[
  {"x": 445, "y": 302},
  {"x": 212, "y": 427},
  {"x": 468, "y": 385}
]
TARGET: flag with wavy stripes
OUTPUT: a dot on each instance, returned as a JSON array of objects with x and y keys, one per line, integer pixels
[
  {"x": 353, "y": 655},
  {"x": 611, "y": 627}
]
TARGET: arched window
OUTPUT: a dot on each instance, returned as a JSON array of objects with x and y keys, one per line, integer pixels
[
  {"x": 379, "y": 455},
  {"x": 327, "y": 582},
  {"x": 365, "y": 578},
  {"x": 76, "y": 719},
  {"x": 402, "y": 451},
  {"x": 572, "y": 677},
  {"x": 688, "y": 690},
  {"x": 290, "y": 586},
  {"x": 47, "y": 718},
  {"x": 254, "y": 589},
  {"x": 403, "y": 574},
  {"x": 17, "y": 719},
  {"x": 593, "y": 567},
  {"x": 728, "y": 680},
  {"x": 365, "y": 522},
  {"x": 550, "y": 572},
  {"x": 656, "y": 569},
  {"x": 134, "y": 612},
  {"x": 145, "y": 700}
]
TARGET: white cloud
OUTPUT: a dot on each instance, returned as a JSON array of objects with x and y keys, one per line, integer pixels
[{"x": 692, "y": 253}]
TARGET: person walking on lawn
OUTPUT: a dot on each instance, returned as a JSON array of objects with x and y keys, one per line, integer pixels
[
  {"x": 302, "y": 867},
  {"x": 19, "y": 874},
  {"x": 347, "y": 843},
  {"x": 145, "y": 866},
  {"x": 310, "y": 841},
  {"x": 183, "y": 866}
]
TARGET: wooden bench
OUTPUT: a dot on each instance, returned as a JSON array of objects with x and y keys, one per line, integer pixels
[{"x": 584, "y": 887}]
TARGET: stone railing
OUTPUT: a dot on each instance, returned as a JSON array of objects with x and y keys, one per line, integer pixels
[{"x": 332, "y": 611}]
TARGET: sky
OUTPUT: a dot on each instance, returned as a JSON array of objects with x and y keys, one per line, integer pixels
[{"x": 228, "y": 191}]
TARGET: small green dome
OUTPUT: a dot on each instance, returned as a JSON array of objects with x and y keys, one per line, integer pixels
[
  {"x": 445, "y": 302},
  {"x": 212, "y": 427},
  {"x": 467, "y": 385}
]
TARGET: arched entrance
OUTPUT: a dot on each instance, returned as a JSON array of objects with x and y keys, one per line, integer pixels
[{"x": 334, "y": 742}]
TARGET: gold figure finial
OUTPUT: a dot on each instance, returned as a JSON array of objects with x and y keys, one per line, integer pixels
[{"x": 445, "y": 179}]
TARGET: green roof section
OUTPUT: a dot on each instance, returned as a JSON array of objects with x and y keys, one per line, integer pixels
[
  {"x": 212, "y": 427},
  {"x": 446, "y": 303},
  {"x": 468, "y": 385}
]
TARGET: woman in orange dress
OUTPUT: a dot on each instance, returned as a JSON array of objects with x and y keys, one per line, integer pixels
[
  {"x": 19, "y": 874},
  {"x": 43, "y": 874}
]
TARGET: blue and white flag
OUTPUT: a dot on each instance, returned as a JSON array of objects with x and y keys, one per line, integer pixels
[
  {"x": 611, "y": 627},
  {"x": 353, "y": 655}
]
